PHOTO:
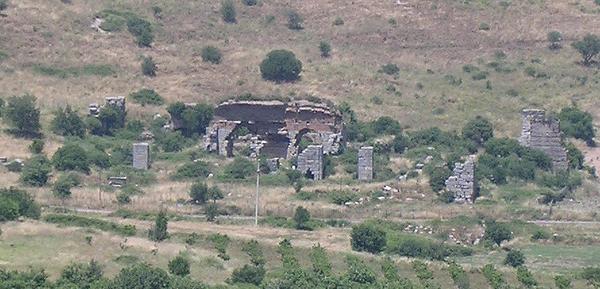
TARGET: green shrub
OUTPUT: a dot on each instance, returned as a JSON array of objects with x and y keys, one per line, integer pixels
[
  {"x": 36, "y": 146},
  {"x": 390, "y": 69},
  {"x": 438, "y": 177},
  {"x": 9, "y": 209},
  {"x": 358, "y": 271},
  {"x": 301, "y": 218},
  {"x": 141, "y": 30},
  {"x": 146, "y": 96},
  {"x": 26, "y": 205},
  {"x": 71, "y": 157},
  {"x": 514, "y": 258},
  {"x": 494, "y": 277},
  {"x": 325, "y": 48},
  {"x": 459, "y": 276},
  {"x": 338, "y": 21},
  {"x": 248, "y": 274},
  {"x": 211, "y": 54},
  {"x": 3, "y": 4},
  {"x": 480, "y": 75},
  {"x": 575, "y": 156},
  {"x": 415, "y": 246},
  {"x": 423, "y": 273},
  {"x": 525, "y": 277},
  {"x": 149, "y": 67},
  {"x": 67, "y": 122},
  {"x": 62, "y": 187},
  {"x": 228, "y": 11},
  {"x": 253, "y": 250},
  {"x": 577, "y": 123},
  {"x": 562, "y": 282},
  {"x": 497, "y": 232},
  {"x": 193, "y": 120},
  {"x": 588, "y": 47},
  {"x": 78, "y": 221},
  {"x": 192, "y": 170},
  {"x": 479, "y": 130},
  {"x": 540, "y": 234},
  {"x": 113, "y": 23},
  {"x": 35, "y": 171},
  {"x": 159, "y": 232},
  {"x": 295, "y": 21},
  {"x": 484, "y": 26},
  {"x": 369, "y": 238},
  {"x": 281, "y": 66},
  {"x": 220, "y": 242},
  {"x": 239, "y": 168},
  {"x": 179, "y": 266}
]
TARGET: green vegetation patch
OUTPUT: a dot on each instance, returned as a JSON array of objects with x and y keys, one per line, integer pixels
[
  {"x": 101, "y": 70},
  {"x": 78, "y": 221}
]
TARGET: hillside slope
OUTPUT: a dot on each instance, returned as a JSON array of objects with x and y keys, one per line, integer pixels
[{"x": 431, "y": 42}]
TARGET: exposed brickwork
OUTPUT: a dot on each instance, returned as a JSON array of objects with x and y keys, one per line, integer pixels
[
  {"x": 462, "y": 182},
  {"x": 543, "y": 133},
  {"x": 310, "y": 162},
  {"x": 141, "y": 156},
  {"x": 365, "y": 163}
]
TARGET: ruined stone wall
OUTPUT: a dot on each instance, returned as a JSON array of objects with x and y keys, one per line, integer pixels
[
  {"x": 141, "y": 156},
  {"x": 310, "y": 161},
  {"x": 543, "y": 133},
  {"x": 365, "y": 163},
  {"x": 462, "y": 182}
]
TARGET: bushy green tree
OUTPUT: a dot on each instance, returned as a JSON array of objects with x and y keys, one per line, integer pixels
[
  {"x": 159, "y": 231},
  {"x": 358, "y": 271},
  {"x": 211, "y": 54},
  {"x": 36, "y": 170},
  {"x": 301, "y": 218},
  {"x": 141, "y": 276},
  {"x": 400, "y": 143},
  {"x": 193, "y": 120},
  {"x": 180, "y": 266},
  {"x": 369, "y": 238},
  {"x": 281, "y": 66},
  {"x": 149, "y": 67},
  {"x": 22, "y": 115},
  {"x": 71, "y": 157},
  {"x": 497, "y": 232},
  {"x": 438, "y": 177},
  {"x": 588, "y": 47},
  {"x": 199, "y": 192},
  {"x": 514, "y": 258},
  {"x": 575, "y": 156},
  {"x": 248, "y": 274},
  {"x": 62, "y": 187},
  {"x": 254, "y": 251},
  {"x": 228, "y": 11},
  {"x": 525, "y": 277},
  {"x": 191, "y": 170},
  {"x": 67, "y": 122},
  {"x": 80, "y": 275},
  {"x": 577, "y": 123},
  {"x": 27, "y": 206},
  {"x": 479, "y": 130},
  {"x": 109, "y": 120},
  {"x": 142, "y": 30}
]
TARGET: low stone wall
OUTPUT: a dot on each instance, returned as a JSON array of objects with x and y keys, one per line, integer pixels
[{"x": 462, "y": 182}]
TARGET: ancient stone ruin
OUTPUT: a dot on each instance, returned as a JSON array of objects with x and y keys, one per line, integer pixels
[
  {"x": 115, "y": 101},
  {"x": 310, "y": 162},
  {"x": 273, "y": 128},
  {"x": 462, "y": 181},
  {"x": 141, "y": 156},
  {"x": 543, "y": 133},
  {"x": 365, "y": 163}
]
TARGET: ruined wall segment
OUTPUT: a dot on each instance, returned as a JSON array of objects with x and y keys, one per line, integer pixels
[
  {"x": 310, "y": 162},
  {"x": 543, "y": 133},
  {"x": 462, "y": 181},
  {"x": 365, "y": 164}
]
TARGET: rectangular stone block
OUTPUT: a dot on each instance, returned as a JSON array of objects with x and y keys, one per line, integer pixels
[
  {"x": 141, "y": 156},
  {"x": 365, "y": 163},
  {"x": 310, "y": 162}
]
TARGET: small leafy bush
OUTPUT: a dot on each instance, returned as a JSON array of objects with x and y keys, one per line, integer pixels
[
  {"x": 147, "y": 96},
  {"x": 390, "y": 69},
  {"x": 211, "y": 54},
  {"x": 78, "y": 221}
]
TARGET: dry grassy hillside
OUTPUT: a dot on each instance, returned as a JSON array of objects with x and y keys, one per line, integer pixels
[{"x": 430, "y": 41}]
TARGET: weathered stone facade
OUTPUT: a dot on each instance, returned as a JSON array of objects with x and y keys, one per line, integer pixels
[
  {"x": 365, "y": 163},
  {"x": 277, "y": 126},
  {"x": 462, "y": 182},
  {"x": 141, "y": 156},
  {"x": 543, "y": 133},
  {"x": 310, "y": 162}
]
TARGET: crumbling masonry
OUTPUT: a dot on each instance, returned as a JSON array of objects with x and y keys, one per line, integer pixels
[
  {"x": 462, "y": 182},
  {"x": 543, "y": 133},
  {"x": 310, "y": 162},
  {"x": 365, "y": 163},
  {"x": 115, "y": 101},
  {"x": 276, "y": 128}
]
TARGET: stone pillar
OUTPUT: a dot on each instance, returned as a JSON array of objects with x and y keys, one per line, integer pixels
[
  {"x": 310, "y": 161},
  {"x": 543, "y": 133},
  {"x": 365, "y": 164},
  {"x": 141, "y": 156}
]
